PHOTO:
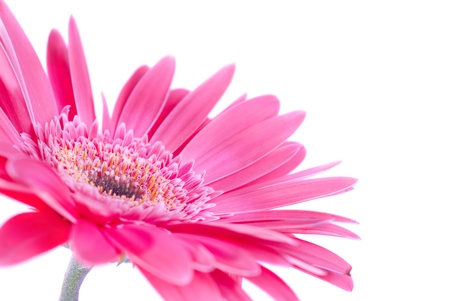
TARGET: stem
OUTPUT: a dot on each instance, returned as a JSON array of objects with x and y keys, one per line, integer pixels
[{"x": 73, "y": 279}]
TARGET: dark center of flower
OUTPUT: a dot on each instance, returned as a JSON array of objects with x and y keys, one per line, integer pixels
[{"x": 113, "y": 187}]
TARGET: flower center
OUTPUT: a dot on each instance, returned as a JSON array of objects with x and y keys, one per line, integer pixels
[
  {"x": 123, "y": 172},
  {"x": 133, "y": 173}
]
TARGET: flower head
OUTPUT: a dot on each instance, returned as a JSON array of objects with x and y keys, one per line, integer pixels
[{"x": 186, "y": 198}]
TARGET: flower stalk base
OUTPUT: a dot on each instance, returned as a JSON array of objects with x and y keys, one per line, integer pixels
[{"x": 73, "y": 279}]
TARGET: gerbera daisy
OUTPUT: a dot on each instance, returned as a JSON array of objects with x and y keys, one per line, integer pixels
[{"x": 189, "y": 200}]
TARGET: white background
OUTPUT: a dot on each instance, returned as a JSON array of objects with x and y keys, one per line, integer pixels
[{"x": 374, "y": 79}]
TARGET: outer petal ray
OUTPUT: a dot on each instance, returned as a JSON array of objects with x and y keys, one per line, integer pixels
[
  {"x": 231, "y": 290},
  {"x": 202, "y": 287},
  {"x": 174, "y": 98},
  {"x": 230, "y": 258},
  {"x": 80, "y": 76},
  {"x": 7, "y": 129},
  {"x": 284, "y": 169},
  {"x": 286, "y": 215},
  {"x": 260, "y": 168},
  {"x": 59, "y": 73},
  {"x": 106, "y": 119},
  {"x": 12, "y": 102},
  {"x": 187, "y": 116},
  {"x": 229, "y": 123},
  {"x": 30, "y": 234},
  {"x": 90, "y": 245},
  {"x": 147, "y": 98},
  {"x": 45, "y": 183},
  {"x": 31, "y": 75},
  {"x": 125, "y": 94},
  {"x": 241, "y": 147},
  {"x": 283, "y": 194},
  {"x": 154, "y": 251},
  {"x": 18, "y": 192},
  {"x": 315, "y": 256},
  {"x": 273, "y": 285}
]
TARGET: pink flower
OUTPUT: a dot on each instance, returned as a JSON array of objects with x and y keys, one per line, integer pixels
[{"x": 187, "y": 199}]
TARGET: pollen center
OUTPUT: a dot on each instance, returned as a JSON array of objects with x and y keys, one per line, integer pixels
[{"x": 136, "y": 173}]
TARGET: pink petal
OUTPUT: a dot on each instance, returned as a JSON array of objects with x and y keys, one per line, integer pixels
[
  {"x": 44, "y": 183},
  {"x": 203, "y": 260},
  {"x": 239, "y": 100},
  {"x": 265, "y": 254},
  {"x": 261, "y": 251},
  {"x": 257, "y": 232},
  {"x": 296, "y": 221},
  {"x": 202, "y": 126},
  {"x": 187, "y": 116},
  {"x": 12, "y": 102},
  {"x": 154, "y": 251},
  {"x": 251, "y": 239},
  {"x": 124, "y": 94},
  {"x": 282, "y": 194},
  {"x": 229, "y": 123},
  {"x": 343, "y": 281},
  {"x": 260, "y": 168},
  {"x": 90, "y": 245},
  {"x": 314, "y": 255},
  {"x": 230, "y": 258},
  {"x": 231, "y": 232},
  {"x": 273, "y": 285},
  {"x": 30, "y": 234},
  {"x": 80, "y": 76},
  {"x": 202, "y": 287},
  {"x": 5, "y": 151},
  {"x": 174, "y": 98},
  {"x": 19, "y": 193},
  {"x": 106, "y": 119},
  {"x": 30, "y": 74},
  {"x": 286, "y": 215},
  {"x": 286, "y": 226},
  {"x": 284, "y": 169},
  {"x": 225, "y": 243},
  {"x": 59, "y": 73},
  {"x": 7, "y": 129},
  {"x": 239, "y": 150},
  {"x": 231, "y": 290},
  {"x": 186, "y": 142},
  {"x": 147, "y": 98},
  {"x": 304, "y": 174},
  {"x": 270, "y": 179},
  {"x": 321, "y": 229}
]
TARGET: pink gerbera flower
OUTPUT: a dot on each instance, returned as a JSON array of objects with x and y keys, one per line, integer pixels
[{"x": 187, "y": 199}]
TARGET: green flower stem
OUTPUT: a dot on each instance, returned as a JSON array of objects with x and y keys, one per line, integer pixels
[{"x": 73, "y": 279}]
